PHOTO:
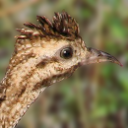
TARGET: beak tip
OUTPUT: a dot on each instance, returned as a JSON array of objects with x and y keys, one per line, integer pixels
[{"x": 121, "y": 65}]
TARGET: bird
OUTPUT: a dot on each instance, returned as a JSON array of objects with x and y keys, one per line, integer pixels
[{"x": 44, "y": 54}]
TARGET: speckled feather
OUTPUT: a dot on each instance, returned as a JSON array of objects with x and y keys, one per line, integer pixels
[
  {"x": 62, "y": 26},
  {"x": 35, "y": 64}
]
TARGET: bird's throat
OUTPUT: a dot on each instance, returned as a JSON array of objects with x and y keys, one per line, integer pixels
[{"x": 18, "y": 92}]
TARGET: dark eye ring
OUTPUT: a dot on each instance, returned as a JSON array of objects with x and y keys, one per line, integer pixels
[{"x": 66, "y": 53}]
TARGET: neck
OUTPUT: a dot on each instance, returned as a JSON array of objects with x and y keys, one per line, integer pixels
[
  {"x": 29, "y": 71},
  {"x": 18, "y": 90}
]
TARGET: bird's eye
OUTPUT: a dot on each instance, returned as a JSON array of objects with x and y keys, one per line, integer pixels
[{"x": 66, "y": 53}]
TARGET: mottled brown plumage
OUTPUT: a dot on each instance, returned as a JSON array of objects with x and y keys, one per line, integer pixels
[{"x": 44, "y": 54}]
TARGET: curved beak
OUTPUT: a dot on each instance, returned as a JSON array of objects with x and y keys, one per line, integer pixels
[{"x": 97, "y": 56}]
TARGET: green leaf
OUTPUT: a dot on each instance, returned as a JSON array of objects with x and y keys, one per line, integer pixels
[
  {"x": 100, "y": 112},
  {"x": 117, "y": 30},
  {"x": 123, "y": 78}
]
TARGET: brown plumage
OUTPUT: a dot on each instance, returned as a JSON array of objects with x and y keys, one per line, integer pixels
[
  {"x": 44, "y": 54},
  {"x": 62, "y": 26}
]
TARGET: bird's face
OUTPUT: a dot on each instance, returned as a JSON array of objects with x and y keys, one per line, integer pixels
[
  {"x": 56, "y": 60},
  {"x": 60, "y": 58}
]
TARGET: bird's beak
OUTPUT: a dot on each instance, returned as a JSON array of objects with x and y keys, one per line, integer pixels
[{"x": 97, "y": 56}]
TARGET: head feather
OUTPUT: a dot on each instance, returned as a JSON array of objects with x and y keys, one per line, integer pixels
[{"x": 62, "y": 26}]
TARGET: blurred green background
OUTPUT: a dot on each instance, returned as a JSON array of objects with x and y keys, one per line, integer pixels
[{"x": 95, "y": 96}]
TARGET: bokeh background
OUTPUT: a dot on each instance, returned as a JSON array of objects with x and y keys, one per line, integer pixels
[{"x": 96, "y": 96}]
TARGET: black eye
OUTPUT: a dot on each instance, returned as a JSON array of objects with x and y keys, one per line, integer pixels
[{"x": 66, "y": 53}]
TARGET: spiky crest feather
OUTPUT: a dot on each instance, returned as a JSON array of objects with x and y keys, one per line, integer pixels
[{"x": 62, "y": 26}]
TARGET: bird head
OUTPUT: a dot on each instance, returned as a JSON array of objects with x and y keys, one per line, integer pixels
[
  {"x": 54, "y": 50},
  {"x": 44, "y": 54}
]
